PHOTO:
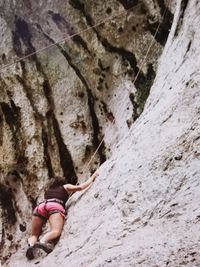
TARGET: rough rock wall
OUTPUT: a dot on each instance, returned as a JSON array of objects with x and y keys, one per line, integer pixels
[
  {"x": 55, "y": 106},
  {"x": 143, "y": 210}
]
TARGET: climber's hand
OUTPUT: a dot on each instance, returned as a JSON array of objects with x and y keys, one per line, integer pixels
[{"x": 95, "y": 175}]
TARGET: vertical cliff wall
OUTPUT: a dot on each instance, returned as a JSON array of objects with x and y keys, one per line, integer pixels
[
  {"x": 56, "y": 105},
  {"x": 143, "y": 210}
]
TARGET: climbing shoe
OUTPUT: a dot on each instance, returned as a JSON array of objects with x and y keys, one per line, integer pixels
[
  {"x": 47, "y": 247},
  {"x": 30, "y": 252}
]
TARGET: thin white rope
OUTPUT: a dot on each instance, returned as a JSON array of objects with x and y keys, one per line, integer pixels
[{"x": 93, "y": 155}]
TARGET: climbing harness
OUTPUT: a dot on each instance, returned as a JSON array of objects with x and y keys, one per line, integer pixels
[{"x": 43, "y": 212}]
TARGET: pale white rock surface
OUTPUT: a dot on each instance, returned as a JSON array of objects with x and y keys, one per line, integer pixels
[
  {"x": 143, "y": 210},
  {"x": 56, "y": 105}
]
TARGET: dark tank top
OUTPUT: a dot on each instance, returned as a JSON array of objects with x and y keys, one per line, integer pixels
[{"x": 57, "y": 192}]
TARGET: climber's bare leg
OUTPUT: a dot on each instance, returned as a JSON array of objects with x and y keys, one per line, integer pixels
[
  {"x": 36, "y": 229},
  {"x": 56, "y": 222}
]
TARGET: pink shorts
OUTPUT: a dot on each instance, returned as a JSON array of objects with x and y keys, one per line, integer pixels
[{"x": 45, "y": 209}]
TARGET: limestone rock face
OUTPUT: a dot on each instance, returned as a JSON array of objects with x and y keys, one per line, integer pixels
[{"x": 56, "y": 106}]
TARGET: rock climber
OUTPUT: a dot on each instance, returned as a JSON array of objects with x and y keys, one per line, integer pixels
[{"x": 52, "y": 209}]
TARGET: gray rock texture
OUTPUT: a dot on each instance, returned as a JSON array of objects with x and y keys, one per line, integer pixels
[{"x": 143, "y": 210}]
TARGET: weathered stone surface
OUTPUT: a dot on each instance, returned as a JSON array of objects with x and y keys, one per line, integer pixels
[
  {"x": 56, "y": 105},
  {"x": 80, "y": 75},
  {"x": 143, "y": 208}
]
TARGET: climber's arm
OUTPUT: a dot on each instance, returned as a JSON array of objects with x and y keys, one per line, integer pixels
[{"x": 75, "y": 188}]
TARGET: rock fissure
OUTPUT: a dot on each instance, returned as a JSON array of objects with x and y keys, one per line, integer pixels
[
  {"x": 108, "y": 113},
  {"x": 128, "y": 4},
  {"x": 6, "y": 200},
  {"x": 184, "y": 4},
  {"x": 1, "y": 126},
  {"x": 127, "y": 55},
  {"x": 47, "y": 158},
  {"x": 164, "y": 27},
  {"x": 165, "y": 24},
  {"x": 65, "y": 157},
  {"x": 142, "y": 82},
  {"x": 12, "y": 115},
  {"x": 135, "y": 107},
  {"x": 189, "y": 46},
  {"x": 143, "y": 90},
  {"x": 22, "y": 32},
  {"x": 91, "y": 103},
  {"x": 28, "y": 90}
]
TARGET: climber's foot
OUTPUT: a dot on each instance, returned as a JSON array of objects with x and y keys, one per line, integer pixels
[
  {"x": 47, "y": 247},
  {"x": 30, "y": 252}
]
